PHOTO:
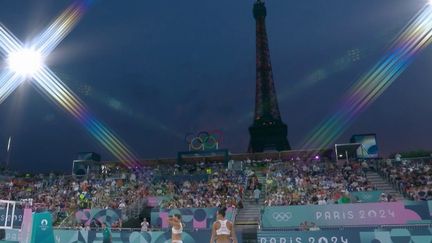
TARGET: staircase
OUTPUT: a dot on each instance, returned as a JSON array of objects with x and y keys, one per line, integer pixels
[
  {"x": 251, "y": 211},
  {"x": 247, "y": 219},
  {"x": 382, "y": 185}
]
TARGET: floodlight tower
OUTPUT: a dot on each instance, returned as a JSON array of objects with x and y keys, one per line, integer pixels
[{"x": 268, "y": 132}]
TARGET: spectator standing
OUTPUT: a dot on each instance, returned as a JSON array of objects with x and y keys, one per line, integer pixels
[
  {"x": 144, "y": 225},
  {"x": 365, "y": 167},
  {"x": 257, "y": 193}
]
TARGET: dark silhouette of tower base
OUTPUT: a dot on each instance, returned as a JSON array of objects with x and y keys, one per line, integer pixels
[
  {"x": 268, "y": 132},
  {"x": 268, "y": 137}
]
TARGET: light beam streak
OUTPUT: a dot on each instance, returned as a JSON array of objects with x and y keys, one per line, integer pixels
[
  {"x": 50, "y": 84},
  {"x": 48, "y": 40},
  {"x": 8, "y": 42},
  {"x": 8, "y": 83},
  {"x": 414, "y": 38},
  {"x": 54, "y": 88}
]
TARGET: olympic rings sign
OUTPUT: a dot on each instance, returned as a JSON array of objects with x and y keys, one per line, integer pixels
[
  {"x": 204, "y": 140},
  {"x": 282, "y": 216}
]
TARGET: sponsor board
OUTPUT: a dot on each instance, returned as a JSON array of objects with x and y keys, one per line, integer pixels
[
  {"x": 106, "y": 216},
  {"x": 196, "y": 218},
  {"x": 357, "y": 214},
  {"x": 18, "y": 217},
  {"x": 352, "y": 235},
  {"x": 366, "y": 196}
]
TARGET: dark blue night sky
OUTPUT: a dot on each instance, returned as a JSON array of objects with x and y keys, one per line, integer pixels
[{"x": 155, "y": 70}]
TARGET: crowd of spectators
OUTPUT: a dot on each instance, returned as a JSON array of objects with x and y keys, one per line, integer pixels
[
  {"x": 201, "y": 185},
  {"x": 197, "y": 186},
  {"x": 313, "y": 182},
  {"x": 65, "y": 194},
  {"x": 223, "y": 188},
  {"x": 190, "y": 185},
  {"x": 413, "y": 178}
]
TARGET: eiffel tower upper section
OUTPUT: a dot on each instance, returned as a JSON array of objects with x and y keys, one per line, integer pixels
[{"x": 268, "y": 132}]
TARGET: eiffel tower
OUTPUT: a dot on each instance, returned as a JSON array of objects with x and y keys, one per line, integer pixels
[{"x": 268, "y": 132}]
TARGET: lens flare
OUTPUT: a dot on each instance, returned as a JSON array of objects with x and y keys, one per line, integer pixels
[
  {"x": 8, "y": 42},
  {"x": 415, "y": 37},
  {"x": 54, "y": 88},
  {"x": 8, "y": 83},
  {"x": 25, "y": 62},
  {"x": 29, "y": 62},
  {"x": 51, "y": 37}
]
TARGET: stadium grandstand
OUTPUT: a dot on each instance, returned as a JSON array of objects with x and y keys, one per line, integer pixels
[{"x": 269, "y": 198}]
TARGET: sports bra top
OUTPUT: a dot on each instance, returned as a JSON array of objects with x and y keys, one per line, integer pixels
[
  {"x": 223, "y": 229},
  {"x": 177, "y": 231}
]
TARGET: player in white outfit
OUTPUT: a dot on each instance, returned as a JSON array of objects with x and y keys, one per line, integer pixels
[
  {"x": 223, "y": 229},
  {"x": 177, "y": 228}
]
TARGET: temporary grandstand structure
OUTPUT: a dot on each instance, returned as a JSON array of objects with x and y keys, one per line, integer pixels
[{"x": 347, "y": 151}]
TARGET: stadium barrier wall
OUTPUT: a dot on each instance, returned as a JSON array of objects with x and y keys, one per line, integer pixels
[
  {"x": 83, "y": 216},
  {"x": 355, "y": 214},
  {"x": 417, "y": 234},
  {"x": 193, "y": 218},
  {"x": 73, "y": 236},
  {"x": 351, "y": 235}
]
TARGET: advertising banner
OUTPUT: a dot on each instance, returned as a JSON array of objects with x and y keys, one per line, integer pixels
[
  {"x": 18, "y": 218},
  {"x": 366, "y": 196},
  {"x": 369, "y": 148},
  {"x": 73, "y": 236},
  {"x": 106, "y": 216},
  {"x": 352, "y": 235},
  {"x": 12, "y": 235},
  {"x": 356, "y": 214},
  {"x": 196, "y": 218}
]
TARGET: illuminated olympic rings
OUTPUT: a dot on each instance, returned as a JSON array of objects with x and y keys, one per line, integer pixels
[{"x": 204, "y": 140}]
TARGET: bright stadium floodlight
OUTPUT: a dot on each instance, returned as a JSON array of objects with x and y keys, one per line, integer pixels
[{"x": 25, "y": 62}]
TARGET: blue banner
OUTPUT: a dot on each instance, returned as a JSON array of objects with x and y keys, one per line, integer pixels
[
  {"x": 351, "y": 235},
  {"x": 18, "y": 218}
]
